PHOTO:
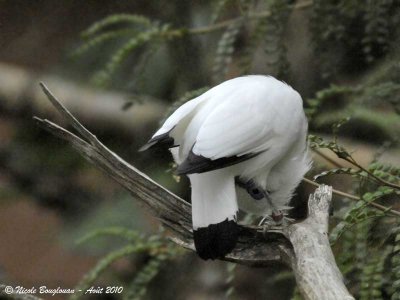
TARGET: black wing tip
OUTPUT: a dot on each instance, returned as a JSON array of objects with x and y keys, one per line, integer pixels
[
  {"x": 146, "y": 146},
  {"x": 216, "y": 240},
  {"x": 199, "y": 164},
  {"x": 159, "y": 140}
]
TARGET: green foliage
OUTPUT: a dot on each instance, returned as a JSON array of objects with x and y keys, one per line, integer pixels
[
  {"x": 385, "y": 171},
  {"x": 396, "y": 265},
  {"x": 268, "y": 32},
  {"x": 358, "y": 31},
  {"x": 377, "y": 29},
  {"x": 104, "y": 76},
  {"x": 133, "y": 31},
  {"x": 225, "y": 50},
  {"x": 218, "y": 8},
  {"x": 356, "y": 215},
  {"x": 100, "y": 39},
  {"x": 275, "y": 48},
  {"x": 127, "y": 234},
  {"x": 363, "y": 265},
  {"x": 383, "y": 182},
  {"x": 138, "y": 21},
  {"x": 348, "y": 171},
  {"x": 372, "y": 276},
  {"x": 102, "y": 265},
  {"x": 328, "y": 94},
  {"x": 156, "y": 247},
  {"x": 317, "y": 142},
  {"x": 138, "y": 288},
  {"x": 388, "y": 91},
  {"x": 255, "y": 38}
]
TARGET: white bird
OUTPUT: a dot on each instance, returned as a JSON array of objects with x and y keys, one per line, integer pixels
[{"x": 248, "y": 132}]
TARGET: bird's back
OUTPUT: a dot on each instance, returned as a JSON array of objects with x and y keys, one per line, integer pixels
[{"x": 243, "y": 127}]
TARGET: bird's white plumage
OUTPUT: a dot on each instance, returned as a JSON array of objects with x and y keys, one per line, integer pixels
[
  {"x": 245, "y": 115},
  {"x": 214, "y": 198}
]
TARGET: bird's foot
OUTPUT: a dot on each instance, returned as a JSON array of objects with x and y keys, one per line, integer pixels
[{"x": 275, "y": 222}]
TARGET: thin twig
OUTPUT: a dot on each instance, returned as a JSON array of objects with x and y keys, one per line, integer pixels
[
  {"x": 352, "y": 197},
  {"x": 223, "y": 24},
  {"x": 352, "y": 161},
  {"x": 383, "y": 181},
  {"x": 327, "y": 158}
]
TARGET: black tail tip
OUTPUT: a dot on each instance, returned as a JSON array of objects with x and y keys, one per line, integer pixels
[{"x": 216, "y": 240}]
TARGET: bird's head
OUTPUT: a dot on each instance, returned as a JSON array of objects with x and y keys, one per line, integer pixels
[{"x": 282, "y": 182}]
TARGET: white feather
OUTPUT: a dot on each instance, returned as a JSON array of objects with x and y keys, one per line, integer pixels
[
  {"x": 181, "y": 116},
  {"x": 213, "y": 198},
  {"x": 242, "y": 116}
]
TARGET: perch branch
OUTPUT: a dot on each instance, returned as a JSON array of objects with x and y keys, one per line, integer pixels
[
  {"x": 315, "y": 264},
  {"x": 302, "y": 246}
]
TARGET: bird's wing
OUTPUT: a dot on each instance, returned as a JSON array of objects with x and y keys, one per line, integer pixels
[
  {"x": 170, "y": 133},
  {"x": 233, "y": 132},
  {"x": 237, "y": 128}
]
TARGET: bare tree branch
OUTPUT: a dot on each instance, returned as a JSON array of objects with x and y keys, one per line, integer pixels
[
  {"x": 314, "y": 264},
  {"x": 302, "y": 246},
  {"x": 101, "y": 109}
]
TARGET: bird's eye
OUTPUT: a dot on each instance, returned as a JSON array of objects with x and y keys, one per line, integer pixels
[{"x": 256, "y": 194}]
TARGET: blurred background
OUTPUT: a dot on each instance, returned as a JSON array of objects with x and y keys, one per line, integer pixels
[{"x": 121, "y": 67}]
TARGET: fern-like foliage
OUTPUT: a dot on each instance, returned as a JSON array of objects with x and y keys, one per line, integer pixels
[
  {"x": 377, "y": 29},
  {"x": 132, "y": 32},
  {"x": 156, "y": 247},
  {"x": 347, "y": 254},
  {"x": 317, "y": 142},
  {"x": 141, "y": 21},
  {"x": 349, "y": 171},
  {"x": 395, "y": 263},
  {"x": 357, "y": 215},
  {"x": 255, "y": 39},
  {"x": 138, "y": 287},
  {"x": 329, "y": 94},
  {"x": 275, "y": 48},
  {"x": 159, "y": 255},
  {"x": 101, "y": 266},
  {"x": 372, "y": 277},
  {"x": 218, "y": 9},
  {"x": 225, "y": 50},
  {"x": 104, "y": 76},
  {"x": 360, "y": 31}
]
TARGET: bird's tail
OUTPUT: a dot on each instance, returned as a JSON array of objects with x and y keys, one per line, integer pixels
[{"x": 214, "y": 209}]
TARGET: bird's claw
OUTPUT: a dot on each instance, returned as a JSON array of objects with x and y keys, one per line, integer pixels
[{"x": 275, "y": 222}]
